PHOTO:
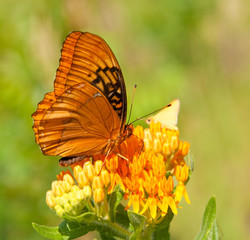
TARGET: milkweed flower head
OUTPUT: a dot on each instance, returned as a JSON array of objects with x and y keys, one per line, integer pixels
[{"x": 148, "y": 167}]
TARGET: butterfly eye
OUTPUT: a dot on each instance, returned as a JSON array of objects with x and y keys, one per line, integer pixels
[{"x": 148, "y": 121}]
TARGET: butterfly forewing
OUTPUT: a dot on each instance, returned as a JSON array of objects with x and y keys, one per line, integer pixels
[{"x": 87, "y": 57}]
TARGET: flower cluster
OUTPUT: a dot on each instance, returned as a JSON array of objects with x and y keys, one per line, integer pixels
[{"x": 149, "y": 167}]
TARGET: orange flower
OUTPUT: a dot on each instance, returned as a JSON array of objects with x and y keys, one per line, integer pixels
[{"x": 144, "y": 166}]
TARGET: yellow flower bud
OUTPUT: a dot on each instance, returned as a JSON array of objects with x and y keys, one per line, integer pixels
[
  {"x": 59, "y": 210},
  {"x": 185, "y": 148},
  {"x": 98, "y": 195},
  {"x": 80, "y": 195},
  {"x": 50, "y": 199},
  {"x": 82, "y": 179},
  {"x": 61, "y": 200},
  {"x": 174, "y": 143},
  {"x": 147, "y": 145},
  {"x": 76, "y": 171},
  {"x": 105, "y": 176},
  {"x": 97, "y": 182},
  {"x": 89, "y": 170},
  {"x": 68, "y": 207},
  {"x": 147, "y": 134},
  {"x": 72, "y": 199},
  {"x": 69, "y": 179},
  {"x": 57, "y": 188},
  {"x": 66, "y": 185},
  {"x": 98, "y": 166},
  {"x": 166, "y": 149},
  {"x": 75, "y": 188},
  {"x": 87, "y": 191},
  {"x": 159, "y": 136},
  {"x": 157, "y": 145}
]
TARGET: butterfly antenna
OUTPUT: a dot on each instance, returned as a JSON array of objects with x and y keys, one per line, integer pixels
[
  {"x": 137, "y": 119},
  {"x": 131, "y": 104}
]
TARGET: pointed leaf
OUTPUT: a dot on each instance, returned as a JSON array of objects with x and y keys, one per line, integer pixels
[
  {"x": 74, "y": 229},
  {"x": 161, "y": 231},
  {"x": 137, "y": 221},
  {"x": 122, "y": 216},
  {"x": 49, "y": 232},
  {"x": 114, "y": 200},
  {"x": 209, "y": 227}
]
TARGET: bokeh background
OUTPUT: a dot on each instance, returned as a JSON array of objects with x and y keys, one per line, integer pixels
[{"x": 198, "y": 51}]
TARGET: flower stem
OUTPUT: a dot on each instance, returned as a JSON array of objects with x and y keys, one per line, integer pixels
[{"x": 113, "y": 229}]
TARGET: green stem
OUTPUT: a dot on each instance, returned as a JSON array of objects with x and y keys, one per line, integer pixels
[
  {"x": 113, "y": 229},
  {"x": 90, "y": 206},
  {"x": 147, "y": 233}
]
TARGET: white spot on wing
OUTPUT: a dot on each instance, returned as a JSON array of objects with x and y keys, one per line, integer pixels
[{"x": 97, "y": 94}]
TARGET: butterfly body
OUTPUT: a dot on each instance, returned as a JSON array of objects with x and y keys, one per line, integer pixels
[{"x": 86, "y": 113}]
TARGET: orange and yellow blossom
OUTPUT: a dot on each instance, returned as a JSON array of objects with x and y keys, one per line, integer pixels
[{"x": 144, "y": 166}]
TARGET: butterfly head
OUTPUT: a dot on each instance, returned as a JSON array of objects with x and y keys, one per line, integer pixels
[{"x": 128, "y": 131}]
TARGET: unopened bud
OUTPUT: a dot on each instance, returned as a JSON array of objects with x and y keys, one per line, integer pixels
[
  {"x": 159, "y": 136},
  {"x": 76, "y": 171},
  {"x": 89, "y": 170},
  {"x": 98, "y": 166},
  {"x": 75, "y": 188},
  {"x": 166, "y": 149},
  {"x": 97, "y": 182},
  {"x": 82, "y": 179},
  {"x": 68, "y": 178},
  {"x": 87, "y": 191},
  {"x": 147, "y": 134},
  {"x": 147, "y": 145},
  {"x": 50, "y": 199},
  {"x": 185, "y": 148},
  {"x": 59, "y": 210},
  {"x": 66, "y": 185},
  {"x": 80, "y": 195},
  {"x": 57, "y": 188},
  {"x": 105, "y": 176},
  {"x": 174, "y": 143},
  {"x": 157, "y": 145},
  {"x": 98, "y": 195},
  {"x": 68, "y": 207}
]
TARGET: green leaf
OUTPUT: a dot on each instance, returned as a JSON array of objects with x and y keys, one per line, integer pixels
[
  {"x": 161, "y": 231},
  {"x": 74, "y": 229},
  {"x": 49, "y": 232},
  {"x": 66, "y": 230},
  {"x": 122, "y": 216},
  {"x": 114, "y": 200},
  {"x": 137, "y": 221},
  {"x": 209, "y": 226}
]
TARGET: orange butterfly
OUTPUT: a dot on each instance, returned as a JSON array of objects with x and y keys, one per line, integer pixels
[{"x": 86, "y": 113}]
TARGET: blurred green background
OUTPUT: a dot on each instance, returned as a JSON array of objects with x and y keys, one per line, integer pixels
[{"x": 198, "y": 51}]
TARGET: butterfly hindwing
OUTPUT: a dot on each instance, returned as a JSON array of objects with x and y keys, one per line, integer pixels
[{"x": 79, "y": 122}]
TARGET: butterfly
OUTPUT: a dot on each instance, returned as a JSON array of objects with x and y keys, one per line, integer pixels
[
  {"x": 168, "y": 117},
  {"x": 86, "y": 113}
]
